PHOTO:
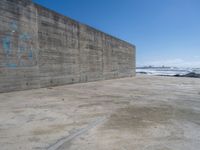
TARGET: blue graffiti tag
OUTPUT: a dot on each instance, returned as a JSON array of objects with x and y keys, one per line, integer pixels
[
  {"x": 13, "y": 26},
  {"x": 24, "y": 37},
  {"x": 12, "y": 65},
  {"x": 17, "y": 54},
  {"x": 30, "y": 56},
  {"x": 7, "y": 45},
  {"x": 21, "y": 49}
]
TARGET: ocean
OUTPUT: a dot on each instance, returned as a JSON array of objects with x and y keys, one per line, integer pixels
[{"x": 166, "y": 71}]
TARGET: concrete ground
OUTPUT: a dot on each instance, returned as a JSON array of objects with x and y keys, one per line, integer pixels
[{"x": 141, "y": 113}]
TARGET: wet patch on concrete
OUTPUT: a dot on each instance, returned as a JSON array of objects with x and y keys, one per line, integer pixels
[
  {"x": 50, "y": 119},
  {"x": 139, "y": 117},
  {"x": 104, "y": 102},
  {"x": 17, "y": 111},
  {"x": 89, "y": 105},
  {"x": 190, "y": 115},
  {"x": 49, "y": 130},
  {"x": 109, "y": 96},
  {"x": 34, "y": 139},
  {"x": 122, "y": 102},
  {"x": 157, "y": 147}
]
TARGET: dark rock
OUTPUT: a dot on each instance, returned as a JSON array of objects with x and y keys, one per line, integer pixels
[
  {"x": 142, "y": 72},
  {"x": 177, "y": 75},
  {"x": 191, "y": 75}
]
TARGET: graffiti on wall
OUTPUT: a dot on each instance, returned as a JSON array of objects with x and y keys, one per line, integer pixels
[{"x": 17, "y": 48}]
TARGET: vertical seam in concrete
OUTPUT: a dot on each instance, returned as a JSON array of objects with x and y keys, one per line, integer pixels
[
  {"x": 79, "y": 49},
  {"x": 37, "y": 54},
  {"x": 102, "y": 56}
]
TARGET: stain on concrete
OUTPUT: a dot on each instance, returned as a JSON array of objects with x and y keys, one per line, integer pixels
[
  {"x": 16, "y": 111},
  {"x": 34, "y": 139},
  {"x": 2, "y": 72},
  {"x": 133, "y": 117},
  {"x": 89, "y": 105},
  {"x": 136, "y": 117},
  {"x": 49, "y": 129},
  {"x": 157, "y": 147},
  {"x": 109, "y": 96}
]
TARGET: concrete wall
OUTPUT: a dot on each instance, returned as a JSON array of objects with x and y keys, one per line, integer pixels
[{"x": 41, "y": 48}]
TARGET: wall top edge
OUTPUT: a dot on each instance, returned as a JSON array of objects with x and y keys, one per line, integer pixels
[{"x": 61, "y": 15}]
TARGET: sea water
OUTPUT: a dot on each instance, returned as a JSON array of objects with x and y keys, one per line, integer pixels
[{"x": 168, "y": 71}]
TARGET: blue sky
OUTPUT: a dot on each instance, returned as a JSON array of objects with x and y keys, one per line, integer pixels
[{"x": 165, "y": 32}]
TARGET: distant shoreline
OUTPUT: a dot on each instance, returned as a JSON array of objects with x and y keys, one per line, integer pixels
[
  {"x": 170, "y": 71},
  {"x": 189, "y": 75}
]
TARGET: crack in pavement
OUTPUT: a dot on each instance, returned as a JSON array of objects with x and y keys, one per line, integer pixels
[{"x": 80, "y": 132}]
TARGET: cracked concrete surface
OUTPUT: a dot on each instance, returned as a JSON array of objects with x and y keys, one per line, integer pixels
[{"x": 141, "y": 113}]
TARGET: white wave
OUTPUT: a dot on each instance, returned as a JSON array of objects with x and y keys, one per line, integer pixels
[{"x": 169, "y": 71}]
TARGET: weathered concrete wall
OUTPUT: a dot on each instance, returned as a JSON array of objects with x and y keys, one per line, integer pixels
[
  {"x": 18, "y": 46},
  {"x": 40, "y": 48}
]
